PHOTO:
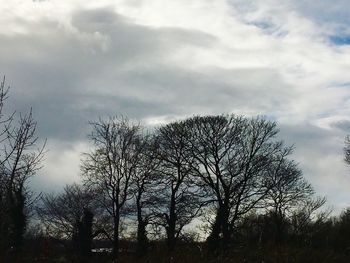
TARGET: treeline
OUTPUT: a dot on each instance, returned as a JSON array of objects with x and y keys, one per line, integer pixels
[
  {"x": 217, "y": 173},
  {"x": 218, "y": 184}
]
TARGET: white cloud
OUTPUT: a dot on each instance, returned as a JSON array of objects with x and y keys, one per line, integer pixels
[{"x": 62, "y": 166}]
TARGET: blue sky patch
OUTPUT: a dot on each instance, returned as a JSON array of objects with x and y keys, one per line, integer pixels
[{"x": 340, "y": 40}]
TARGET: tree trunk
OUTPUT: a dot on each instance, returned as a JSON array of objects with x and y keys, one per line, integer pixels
[
  {"x": 142, "y": 241},
  {"x": 278, "y": 217},
  {"x": 221, "y": 227},
  {"x": 213, "y": 238},
  {"x": 171, "y": 239},
  {"x": 115, "y": 238},
  {"x": 226, "y": 233},
  {"x": 85, "y": 235},
  {"x": 18, "y": 219}
]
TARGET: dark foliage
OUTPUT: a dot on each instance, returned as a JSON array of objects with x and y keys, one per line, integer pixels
[{"x": 19, "y": 160}]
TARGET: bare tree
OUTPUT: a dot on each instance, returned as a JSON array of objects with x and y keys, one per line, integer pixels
[
  {"x": 19, "y": 161},
  {"x": 110, "y": 167},
  {"x": 70, "y": 216},
  {"x": 303, "y": 217},
  {"x": 61, "y": 213},
  {"x": 234, "y": 156},
  {"x": 144, "y": 183},
  {"x": 289, "y": 190},
  {"x": 177, "y": 197}
]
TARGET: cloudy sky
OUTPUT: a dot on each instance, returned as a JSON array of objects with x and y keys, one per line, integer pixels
[{"x": 158, "y": 60}]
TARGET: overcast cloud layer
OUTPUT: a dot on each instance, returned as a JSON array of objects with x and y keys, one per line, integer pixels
[{"x": 159, "y": 60}]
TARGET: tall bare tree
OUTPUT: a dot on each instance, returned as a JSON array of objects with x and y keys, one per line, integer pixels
[
  {"x": 234, "y": 156},
  {"x": 144, "y": 184},
  {"x": 20, "y": 160},
  {"x": 177, "y": 197},
  {"x": 111, "y": 166}
]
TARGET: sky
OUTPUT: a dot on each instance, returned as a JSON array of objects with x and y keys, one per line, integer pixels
[{"x": 160, "y": 60}]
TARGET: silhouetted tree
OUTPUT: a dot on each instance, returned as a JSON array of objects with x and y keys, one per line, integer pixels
[
  {"x": 69, "y": 215},
  {"x": 288, "y": 192},
  {"x": 144, "y": 182},
  {"x": 110, "y": 167},
  {"x": 19, "y": 160},
  {"x": 177, "y": 197},
  {"x": 84, "y": 235},
  {"x": 302, "y": 219},
  {"x": 342, "y": 229},
  {"x": 234, "y": 158}
]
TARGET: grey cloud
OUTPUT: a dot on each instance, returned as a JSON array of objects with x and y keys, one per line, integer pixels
[
  {"x": 324, "y": 11},
  {"x": 67, "y": 84},
  {"x": 319, "y": 153},
  {"x": 309, "y": 139},
  {"x": 68, "y": 78},
  {"x": 343, "y": 125},
  {"x": 137, "y": 38}
]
